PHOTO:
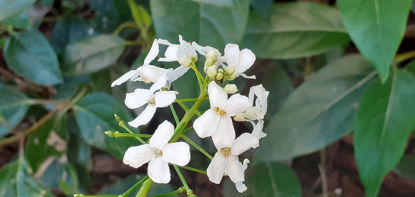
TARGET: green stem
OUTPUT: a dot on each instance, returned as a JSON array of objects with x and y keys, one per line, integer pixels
[
  {"x": 81, "y": 195},
  {"x": 124, "y": 126},
  {"x": 128, "y": 192},
  {"x": 186, "y": 100},
  {"x": 145, "y": 188},
  {"x": 183, "y": 106},
  {"x": 193, "y": 169},
  {"x": 173, "y": 111},
  {"x": 404, "y": 56},
  {"x": 125, "y": 25},
  {"x": 190, "y": 141},
  {"x": 178, "y": 191},
  {"x": 188, "y": 190},
  {"x": 117, "y": 134}
]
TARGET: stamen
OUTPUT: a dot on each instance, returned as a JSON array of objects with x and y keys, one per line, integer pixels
[
  {"x": 159, "y": 153},
  {"x": 152, "y": 101},
  {"x": 219, "y": 111},
  {"x": 225, "y": 151}
]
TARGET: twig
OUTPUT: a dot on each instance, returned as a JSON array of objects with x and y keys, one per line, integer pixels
[{"x": 322, "y": 169}]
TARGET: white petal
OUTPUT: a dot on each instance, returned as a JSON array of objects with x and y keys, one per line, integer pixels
[
  {"x": 240, "y": 187},
  {"x": 165, "y": 98},
  {"x": 137, "y": 98},
  {"x": 216, "y": 168},
  {"x": 234, "y": 169},
  {"x": 150, "y": 73},
  {"x": 257, "y": 132},
  {"x": 176, "y": 73},
  {"x": 125, "y": 77},
  {"x": 171, "y": 54},
  {"x": 262, "y": 98},
  {"x": 225, "y": 133},
  {"x": 164, "y": 42},
  {"x": 177, "y": 153},
  {"x": 152, "y": 54},
  {"x": 136, "y": 156},
  {"x": 243, "y": 143},
  {"x": 246, "y": 60},
  {"x": 236, "y": 104},
  {"x": 158, "y": 170},
  {"x": 162, "y": 135},
  {"x": 217, "y": 96},
  {"x": 207, "y": 123},
  {"x": 201, "y": 50},
  {"x": 144, "y": 117},
  {"x": 232, "y": 54},
  {"x": 247, "y": 77},
  {"x": 161, "y": 83}
]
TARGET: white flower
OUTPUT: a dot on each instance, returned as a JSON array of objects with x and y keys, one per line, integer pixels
[
  {"x": 146, "y": 73},
  {"x": 141, "y": 97},
  {"x": 240, "y": 186},
  {"x": 226, "y": 161},
  {"x": 216, "y": 121},
  {"x": 159, "y": 153},
  {"x": 213, "y": 56},
  {"x": 258, "y": 111},
  {"x": 239, "y": 61},
  {"x": 257, "y": 132}
]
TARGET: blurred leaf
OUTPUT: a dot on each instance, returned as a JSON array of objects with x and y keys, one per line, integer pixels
[
  {"x": 229, "y": 190},
  {"x": 382, "y": 126},
  {"x": 123, "y": 185},
  {"x": 208, "y": 24},
  {"x": 18, "y": 21},
  {"x": 92, "y": 54},
  {"x": 30, "y": 55},
  {"x": 274, "y": 179},
  {"x": 406, "y": 167},
  {"x": 95, "y": 115},
  {"x": 13, "y": 107},
  {"x": 318, "y": 112},
  {"x": 67, "y": 31},
  {"x": 17, "y": 181},
  {"x": 216, "y": 2},
  {"x": 287, "y": 35},
  {"x": 9, "y": 8},
  {"x": 377, "y": 28},
  {"x": 140, "y": 15},
  {"x": 102, "y": 5}
]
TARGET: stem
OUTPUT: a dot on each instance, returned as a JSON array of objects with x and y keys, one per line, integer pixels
[
  {"x": 145, "y": 188},
  {"x": 81, "y": 195},
  {"x": 123, "y": 26},
  {"x": 190, "y": 141},
  {"x": 186, "y": 100},
  {"x": 404, "y": 56},
  {"x": 128, "y": 192},
  {"x": 173, "y": 111},
  {"x": 47, "y": 101},
  {"x": 193, "y": 169},
  {"x": 183, "y": 106},
  {"x": 178, "y": 191},
  {"x": 200, "y": 79},
  {"x": 322, "y": 168},
  {"x": 117, "y": 134},
  {"x": 124, "y": 126},
  {"x": 188, "y": 190}
]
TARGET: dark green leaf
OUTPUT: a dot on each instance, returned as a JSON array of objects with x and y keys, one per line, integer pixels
[
  {"x": 318, "y": 112},
  {"x": 11, "y": 8},
  {"x": 287, "y": 34},
  {"x": 92, "y": 54},
  {"x": 13, "y": 107},
  {"x": 17, "y": 181},
  {"x": 30, "y": 55},
  {"x": 19, "y": 21},
  {"x": 274, "y": 179},
  {"x": 383, "y": 123},
  {"x": 196, "y": 21},
  {"x": 67, "y": 31},
  {"x": 406, "y": 167},
  {"x": 377, "y": 28},
  {"x": 95, "y": 115}
]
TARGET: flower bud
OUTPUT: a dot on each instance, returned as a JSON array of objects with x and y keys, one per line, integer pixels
[
  {"x": 230, "y": 88},
  {"x": 211, "y": 72},
  {"x": 212, "y": 55},
  {"x": 229, "y": 70},
  {"x": 209, "y": 62},
  {"x": 239, "y": 117},
  {"x": 219, "y": 76},
  {"x": 220, "y": 70}
]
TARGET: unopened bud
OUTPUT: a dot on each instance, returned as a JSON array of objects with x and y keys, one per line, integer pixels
[
  {"x": 212, "y": 55},
  {"x": 209, "y": 62},
  {"x": 219, "y": 76},
  {"x": 211, "y": 72},
  {"x": 220, "y": 70},
  {"x": 230, "y": 88},
  {"x": 229, "y": 70},
  {"x": 239, "y": 117}
]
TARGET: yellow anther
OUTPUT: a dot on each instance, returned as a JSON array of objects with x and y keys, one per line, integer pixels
[
  {"x": 225, "y": 151},
  {"x": 219, "y": 111},
  {"x": 152, "y": 101}
]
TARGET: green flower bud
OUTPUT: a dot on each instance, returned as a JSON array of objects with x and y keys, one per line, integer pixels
[
  {"x": 219, "y": 76},
  {"x": 230, "y": 88}
]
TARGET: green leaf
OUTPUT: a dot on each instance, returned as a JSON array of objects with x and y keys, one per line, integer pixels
[
  {"x": 95, "y": 115},
  {"x": 92, "y": 54},
  {"x": 19, "y": 21},
  {"x": 318, "y": 112},
  {"x": 406, "y": 167},
  {"x": 377, "y": 28},
  {"x": 385, "y": 119},
  {"x": 274, "y": 179},
  {"x": 140, "y": 15},
  {"x": 288, "y": 35},
  {"x": 13, "y": 107},
  {"x": 11, "y": 8},
  {"x": 196, "y": 21},
  {"x": 16, "y": 181},
  {"x": 30, "y": 55}
]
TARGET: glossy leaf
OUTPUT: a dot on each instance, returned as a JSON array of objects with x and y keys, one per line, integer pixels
[
  {"x": 209, "y": 24},
  {"x": 383, "y": 123},
  {"x": 92, "y": 54},
  {"x": 318, "y": 112},
  {"x": 11, "y": 8},
  {"x": 377, "y": 28},
  {"x": 95, "y": 115},
  {"x": 16, "y": 181},
  {"x": 288, "y": 35},
  {"x": 274, "y": 179},
  {"x": 30, "y": 55},
  {"x": 13, "y": 107}
]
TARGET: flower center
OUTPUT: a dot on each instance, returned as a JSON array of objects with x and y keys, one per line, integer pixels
[
  {"x": 219, "y": 111},
  {"x": 225, "y": 151},
  {"x": 158, "y": 153},
  {"x": 152, "y": 101}
]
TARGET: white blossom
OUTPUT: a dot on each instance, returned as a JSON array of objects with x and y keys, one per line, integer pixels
[
  {"x": 226, "y": 161},
  {"x": 238, "y": 61},
  {"x": 216, "y": 121},
  {"x": 258, "y": 111},
  {"x": 159, "y": 153},
  {"x": 156, "y": 100},
  {"x": 258, "y": 129}
]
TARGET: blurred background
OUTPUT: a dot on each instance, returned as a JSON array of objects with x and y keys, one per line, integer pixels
[{"x": 59, "y": 57}]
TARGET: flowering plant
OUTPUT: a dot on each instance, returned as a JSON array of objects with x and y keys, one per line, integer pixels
[{"x": 215, "y": 83}]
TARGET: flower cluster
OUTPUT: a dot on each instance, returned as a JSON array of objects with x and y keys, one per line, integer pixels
[{"x": 216, "y": 122}]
